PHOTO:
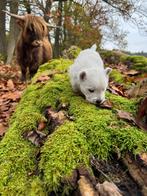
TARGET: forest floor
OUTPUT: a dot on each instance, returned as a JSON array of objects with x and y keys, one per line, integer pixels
[{"x": 11, "y": 89}]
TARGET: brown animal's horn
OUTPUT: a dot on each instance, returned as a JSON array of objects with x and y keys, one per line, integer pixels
[{"x": 14, "y": 15}]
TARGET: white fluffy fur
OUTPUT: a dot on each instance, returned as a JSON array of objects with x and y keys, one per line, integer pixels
[{"x": 88, "y": 76}]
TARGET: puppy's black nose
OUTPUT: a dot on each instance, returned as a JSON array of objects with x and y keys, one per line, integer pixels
[{"x": 98, "y": 101}]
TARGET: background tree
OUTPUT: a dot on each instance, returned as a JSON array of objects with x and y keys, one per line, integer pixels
[
  {"x": 83, "y": 22},
  {"x": 13, "y": 33},
  {"x": 2, "y": 28}
]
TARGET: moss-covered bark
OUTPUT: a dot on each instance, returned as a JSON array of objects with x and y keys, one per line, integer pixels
[{"x": 93, "y": 131}]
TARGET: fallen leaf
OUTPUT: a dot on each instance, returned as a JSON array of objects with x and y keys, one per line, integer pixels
[
  {"x": 140, "y": 78},
  {"x": 2, "y": 129},
  {"x": 139, "y": 89},
  {"x": 54, "y": 118},
  {"x": 10, "y": 91},
  {"x": 126, "y": 116},
  {"x": 36, "y": 137},
  {"x": 60, "y": 116},
  {"x": 106, "y": 104},
  {"x": 14, "y": 96},
  {"x": 10, "y": 84},
  {"x": 42, "y": 125},
  {"x": 4, "y": 108},
  {"x": 132, "y": 72},
  {"x": 43, "y": 78},
  {"x": 116, "y": 89},
  {"x": 141, "y": 118}
]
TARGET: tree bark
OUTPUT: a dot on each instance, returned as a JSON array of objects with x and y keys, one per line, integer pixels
[
  {"x": 58, "y": 31},
  {"x": 13, "y": 33},
  {"x": 2, "y": 28},
  {"x": 138, "y": 170}
]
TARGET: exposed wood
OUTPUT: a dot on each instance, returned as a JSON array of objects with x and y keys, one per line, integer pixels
[
  {"x": 86, "y": 188},
  {"x": 138, "y": 170}
]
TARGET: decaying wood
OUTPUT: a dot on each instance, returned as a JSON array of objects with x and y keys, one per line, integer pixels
[
  {"x": 86, "y": 188},
  {"x": 138, "y": 170},
  {"x": 105, "y": 189},
  {"x": 108, "y": 189}
]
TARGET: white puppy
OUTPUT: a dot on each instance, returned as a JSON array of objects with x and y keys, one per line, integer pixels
[{"x": 88, "y": 75}]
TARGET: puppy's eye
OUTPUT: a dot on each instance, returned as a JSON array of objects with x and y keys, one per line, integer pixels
[{"x": 91, "y": 90}]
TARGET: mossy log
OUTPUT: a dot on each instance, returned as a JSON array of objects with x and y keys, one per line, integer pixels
[{"x": 26, "y": 169}]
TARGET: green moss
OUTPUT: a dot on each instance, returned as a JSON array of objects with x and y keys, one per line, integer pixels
[
  {"x": 56, "y": 64},
  {"x": 65, "y": 150},
  {"x": 17, "y": 160},
  {"x": 136, "y": 62},
  {"x": 122, "y": 103},
  {"x": 72, "y": 52},
  {"x": 37, "y": 188},
  {"x": 111, "y": 57},
  {"x": 117, "y": 76},
  {"x": 94, "y": 131}
]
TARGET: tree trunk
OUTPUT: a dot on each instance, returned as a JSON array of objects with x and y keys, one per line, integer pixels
[
  {"x": 58, "y": 31},
  {"x": 27, "y": 6},
  {"x": 47, "y": 10},
  {"x": 13, "y": 33},
  {"x": 2, "y": 28}
]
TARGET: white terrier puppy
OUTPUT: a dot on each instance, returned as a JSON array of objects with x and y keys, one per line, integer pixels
[{"x": 88, "y": 76}]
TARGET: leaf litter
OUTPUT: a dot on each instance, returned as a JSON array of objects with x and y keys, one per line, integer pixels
[{"x": 11, "y": 89}]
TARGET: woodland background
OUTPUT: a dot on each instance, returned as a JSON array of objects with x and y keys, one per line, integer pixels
[{"x": 82, "y": 22}]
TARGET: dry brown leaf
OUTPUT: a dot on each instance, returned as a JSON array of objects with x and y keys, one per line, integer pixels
[
  {"x": 54, "y": 118},
  {"x": 106, "y": 104},
  {"x": 10, "y": 84},
  {"x": 14, "y": 96},
  {"x": 2, "y": 129},
  {"x": 116, "y": 89},
  {"x": 43, "y": 79},
  {"x": 42, "y": 125},
  {"x": 10, "y": 92},
  {"x": 125, "y": 115},
  {"x": 36, "y": 137},
  {"x": 139, "y": 89},
  {"x": 60, "y": 116},
  {"x": 132, "y": 72},
  {"x": 139, "y": 78},
  {"x": 4, "y": 108},
  {"x": 141, "y": 118}
]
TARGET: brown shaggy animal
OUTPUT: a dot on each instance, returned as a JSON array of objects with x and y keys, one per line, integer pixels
[{"x": 33, "y": 47}]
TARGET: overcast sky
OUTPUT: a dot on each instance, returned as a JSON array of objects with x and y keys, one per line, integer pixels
[{"x": 137, "y": 41}]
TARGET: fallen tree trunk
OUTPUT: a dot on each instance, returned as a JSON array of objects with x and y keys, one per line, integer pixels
[
  {"x": 34, "y": 163},
  {"x": 138, "y": 170}
]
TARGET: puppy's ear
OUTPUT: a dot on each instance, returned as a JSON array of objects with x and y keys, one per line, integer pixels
[
  {"x": 108, "y": 70},
  {"x": 83, "y": 75}
]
